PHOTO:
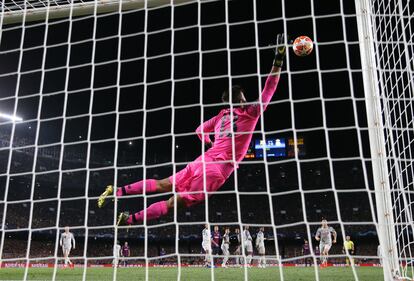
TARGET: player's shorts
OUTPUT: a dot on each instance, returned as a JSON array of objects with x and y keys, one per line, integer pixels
[
  {"x": 349, "y": 251},
  {"x": 248, "y": 247},
  {"x": 261, "y": 250},
  {"x": 237, "y": 251},
  {"x": 324, "y": 245},
  {"x": 206, "y": 247},
  {"x": 225, "y": 249},
  {"x": 191, "y": 179},
  {"x": 66, "y": 248}
]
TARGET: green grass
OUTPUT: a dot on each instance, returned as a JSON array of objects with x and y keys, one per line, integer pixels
[{"x": 196, "y": 274}]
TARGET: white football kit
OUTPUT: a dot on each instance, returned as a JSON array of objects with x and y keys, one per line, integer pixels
[
  {"x": 117, "y": 254},
  {"x": 325, "y": 235},
  {"x": 260, "y": 245},
  {"x": 225, "y": 244},
  {"x": 206, "y": 244},
  {"x": 66, "y": 240},
  {"x": 247, "y": 239}
]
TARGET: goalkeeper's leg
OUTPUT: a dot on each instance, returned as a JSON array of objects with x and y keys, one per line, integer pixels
[
  {"x": 154, "y": 211},
  {"x": 189, "y": 183},
  {"x": 183, "y": 177},
  {"x": 150, "y": 186}
]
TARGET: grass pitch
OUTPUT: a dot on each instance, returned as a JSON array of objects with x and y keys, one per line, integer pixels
[{"x": 196, "y": 274}]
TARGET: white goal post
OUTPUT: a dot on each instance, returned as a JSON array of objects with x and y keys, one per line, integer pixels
[
  {"x": 386, "y": 46},
  {"x": 377, "y": 145}
]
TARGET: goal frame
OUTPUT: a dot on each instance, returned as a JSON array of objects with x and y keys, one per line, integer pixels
[
  {"x": 382, "y": 189},
  {"x": 11, "y": 16}
]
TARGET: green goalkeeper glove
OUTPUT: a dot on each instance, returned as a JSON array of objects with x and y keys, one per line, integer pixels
[{"x": 280, "y": 50}]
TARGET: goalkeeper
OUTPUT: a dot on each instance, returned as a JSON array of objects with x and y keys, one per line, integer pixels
[{"x": 218, "y": 159}]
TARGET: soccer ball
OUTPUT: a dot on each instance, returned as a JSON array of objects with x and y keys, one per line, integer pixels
[{"x": 302, "y": 46}]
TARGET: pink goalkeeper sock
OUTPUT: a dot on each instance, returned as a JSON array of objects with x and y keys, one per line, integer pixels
[
  {"x": 154, "y": 211},
  {"x": 137, "y": 187}
]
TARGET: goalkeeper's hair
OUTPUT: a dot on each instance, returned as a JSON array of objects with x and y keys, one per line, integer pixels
[{"x": 236, "y": 91}]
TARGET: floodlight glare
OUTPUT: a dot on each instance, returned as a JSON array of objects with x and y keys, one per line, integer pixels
[{"x": 11, "y": 117}]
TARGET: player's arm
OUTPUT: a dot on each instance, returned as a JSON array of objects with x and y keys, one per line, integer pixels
[
  {"x": 273, "y": 78},
  {"x": 73, "y": 241},
  {"x": 61, "y": 240},
  {"x": 334, "y": 236},
  {"x": 318, "y": 235},
  {"x": 206, "y": 128}
]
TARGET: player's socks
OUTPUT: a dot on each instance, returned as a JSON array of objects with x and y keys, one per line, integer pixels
[
  {"x": 248, "y": 260},
  {"x": 137, "y": 187},
  {"x": 225, "y": 259},
  {"x": 154, "y": 211},
  {"x": 262, "y": 262},
  {"x": 325, "y": 262}
]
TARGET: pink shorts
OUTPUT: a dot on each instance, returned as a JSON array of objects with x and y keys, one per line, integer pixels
[{"x": 189, "y": 182}]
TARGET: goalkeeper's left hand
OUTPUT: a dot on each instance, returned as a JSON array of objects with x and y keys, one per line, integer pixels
[{"x": 280, "y": 51}]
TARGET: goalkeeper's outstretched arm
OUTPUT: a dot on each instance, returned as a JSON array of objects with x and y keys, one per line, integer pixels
[{"x": 273, "y": 78}]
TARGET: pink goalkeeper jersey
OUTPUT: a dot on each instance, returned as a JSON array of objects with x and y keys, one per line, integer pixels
[{"x": 244, "y": 123}]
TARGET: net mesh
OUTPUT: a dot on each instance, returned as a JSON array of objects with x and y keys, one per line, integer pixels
[{"x": 115, "y": 97}]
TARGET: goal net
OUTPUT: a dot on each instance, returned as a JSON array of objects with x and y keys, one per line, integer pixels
[{"x": 111, "y": 92}]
